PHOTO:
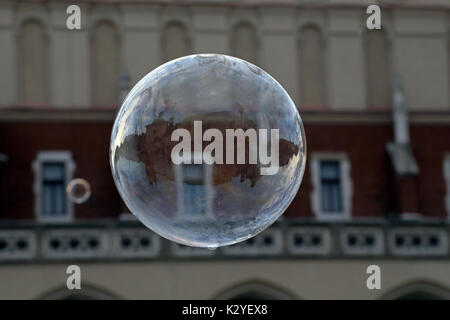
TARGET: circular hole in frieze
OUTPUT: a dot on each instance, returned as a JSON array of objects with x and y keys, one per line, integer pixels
[
  {"x": 433, "y": 241},
  {"x": 370, "y": 240},
  {"x": 268, "y": 241},
  {"x": 55, "y": 243},
  {"x": 74, "y": 243},
  {"x": 145, "y": 242},
  {"x": 93, "y": 243},
  {"x": 399, "y": 241},
  {"x": 352, "y": 240},
  {"x": 298, "y": 240},
  {"x": 21, "y": 244},
  {"x": 316, "y": 240},
  {"x": 417, "y": 241},
  {"x": 3, "y": 244},
  {"x": 125, "y": 242}
]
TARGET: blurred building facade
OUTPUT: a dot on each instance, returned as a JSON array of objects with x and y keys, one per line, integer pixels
[{"x": 377, "y": 184}]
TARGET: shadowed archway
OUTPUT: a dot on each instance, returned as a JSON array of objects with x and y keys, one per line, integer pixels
[
  {"x": 419, "y": 291},
  {"x": 85, "y": 293},
  {"x": 254, "y": 291}
]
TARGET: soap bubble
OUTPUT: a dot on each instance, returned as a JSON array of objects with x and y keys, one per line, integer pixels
[
  {"x": 212, "y": 190},
  {"x": 78, "y": 190}
]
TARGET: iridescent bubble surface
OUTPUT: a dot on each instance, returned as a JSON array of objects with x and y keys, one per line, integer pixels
[
  {"x": 78, "y": 190},
  {"x": 200, "y": 204}
]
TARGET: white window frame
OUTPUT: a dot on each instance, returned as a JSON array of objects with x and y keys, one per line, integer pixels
[
  {"x": 50, "y": 156},
  {"x": 446, "y": 167},
  {"x": 346, "y": 186}
]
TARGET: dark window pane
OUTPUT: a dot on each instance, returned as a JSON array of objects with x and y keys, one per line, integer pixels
[
  {"x": 330, "y": 181},
  {"x": 330, "y": 170},
  {"x": 193, "y": 174},
  {"x": 53, "y": 171},
  {"x": 54, "y": 195}
]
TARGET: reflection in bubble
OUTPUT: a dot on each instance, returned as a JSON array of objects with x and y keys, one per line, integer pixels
[{"x": 199, "y": 204}]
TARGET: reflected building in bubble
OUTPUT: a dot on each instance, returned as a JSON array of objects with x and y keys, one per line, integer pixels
[
  {"x": 237, "y": 199},
  {"x": 376, "y": 188}
]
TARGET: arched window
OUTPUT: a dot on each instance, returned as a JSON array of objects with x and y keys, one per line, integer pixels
[
  {"x": 105, "y": 64},
  {"x": 245, "y": 42},
  {"x": 175, "y": 42},
  {"x": 312, "y": 77},
  {"x": 378, "y": 69},
  {"x": 33, "y": 63}
]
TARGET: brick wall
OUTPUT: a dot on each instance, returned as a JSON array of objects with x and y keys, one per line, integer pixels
[{"x": 372, "y": 176}]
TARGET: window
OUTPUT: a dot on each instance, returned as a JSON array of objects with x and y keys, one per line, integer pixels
[
  {"x": 330, "y": 185},
  {"x": 312, "y": 77},
  {"x": 194, "y": 189},
  {"x": 194, "y": 192},
  {"x": 331, "y": 197},
  {"x": 53, "y": 170},
  {"x": 447, "y": 182},
  {"x": 245, "y": 42},
  {"x": 378, "y": 69},
  {"x": 33, "y": 77},
  {"x": 105, "y": 65},
  {"x": 53, "y": 184},
  {"x": 175, "y": 42}
]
